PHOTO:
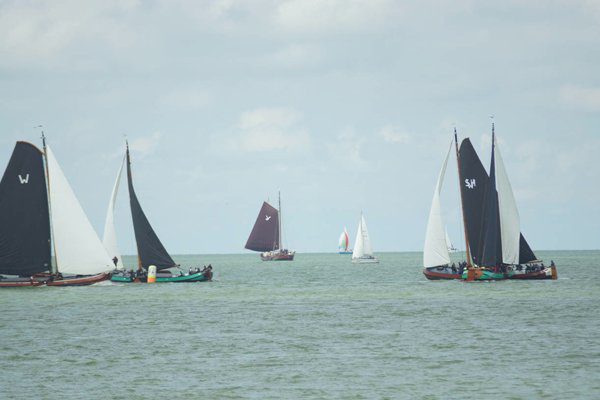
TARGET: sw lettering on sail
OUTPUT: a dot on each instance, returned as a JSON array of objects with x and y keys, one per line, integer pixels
[
  {"x": 24, "y": 180},
  {"x": 470, "y": 183}
]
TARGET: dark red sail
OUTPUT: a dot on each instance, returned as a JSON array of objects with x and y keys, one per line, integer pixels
[{"x": 265, "y": 234}]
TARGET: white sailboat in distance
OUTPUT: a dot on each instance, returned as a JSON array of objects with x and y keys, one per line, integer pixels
[{"x": 363, "y": 253}]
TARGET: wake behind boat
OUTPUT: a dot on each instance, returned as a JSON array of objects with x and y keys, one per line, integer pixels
[
  {"x": 152, "y": 255},
  {"x": 266, "y": 235},
  {"x": 35, "y": 196}
]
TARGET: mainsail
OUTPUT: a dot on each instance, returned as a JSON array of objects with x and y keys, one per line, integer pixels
[
  {"x": 77, "y": 246},
  {"x": 109, "y": 239},
  {"x": 265, "y": 233},
  {"x": 24, "y": 217},
  {"x": 435, "y": 251},
  {"x": 473, "y": 189},
  {"x": 150, "y": 250},
  {"x": 492, "y": 244},
  {"x": 362, "y": 245},
  {"x": 509, "y": 214}
]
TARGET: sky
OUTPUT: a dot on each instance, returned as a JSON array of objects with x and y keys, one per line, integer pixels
[{"x": 343, "y": 105}]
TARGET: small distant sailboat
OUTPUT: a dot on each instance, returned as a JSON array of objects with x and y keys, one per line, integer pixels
[
  {"x": 151, "y": 252},
  {"x": 344, "y": 243},
  {"x": 39, "y": 211},
  {"x": 363, "y": 253},
  {"x": 266, "y": 235},
  {"x": 451, "y": 248}
]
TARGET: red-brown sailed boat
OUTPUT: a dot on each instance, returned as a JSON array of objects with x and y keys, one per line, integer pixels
[{"x": 266, "y": 235}]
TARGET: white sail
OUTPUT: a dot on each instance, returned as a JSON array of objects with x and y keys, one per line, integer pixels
[
  {"x": 449, "y": 244},
  {"x": 435, "y": 251},
  {"x": 109, "y": 239},
  {"x": 77, "y": 246},
  {"x": 362, "y": 245},
  {"x": 510, "y": 225}
]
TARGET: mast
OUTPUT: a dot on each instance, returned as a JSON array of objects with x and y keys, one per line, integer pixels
[
  {"x": 469, "y": 260},
  {"x": 279, "y": 220},
  {"x": 53, "y": 267}
]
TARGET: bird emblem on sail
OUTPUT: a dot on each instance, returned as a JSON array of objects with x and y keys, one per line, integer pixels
[{"x": 267, "y": 217}]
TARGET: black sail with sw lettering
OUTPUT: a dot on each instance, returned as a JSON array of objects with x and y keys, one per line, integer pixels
[
  {"x": 24, "y": 217},
  {"x": 473, "y": 189},
  {"x": 265, "y": 234},
  {"x": 491, "y": 254},
  {"x": 150, "y": 250}
]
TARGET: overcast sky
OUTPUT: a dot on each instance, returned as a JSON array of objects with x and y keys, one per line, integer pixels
[{"x": 344, "y": 105}]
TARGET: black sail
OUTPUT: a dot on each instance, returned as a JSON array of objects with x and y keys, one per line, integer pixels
[
  {"x": 525, "y": 253},
  {"x": 473, "y": 189},
  {"x": 150, "y": 250},
  {"x": 24, "y": 216},
  {"x": 492, "y": 242},
  {"x": 265, "y": 234}
]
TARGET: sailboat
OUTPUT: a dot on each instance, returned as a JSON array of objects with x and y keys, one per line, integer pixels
[
  {"x": 38, "y": 212},
  {"x": 503, "y": 252},
  {"x": 363, "y": 253},
  {"x": 344, "y": 243},
  {"x": 266, "y": 235},
  {"x": 451, "y": 248},
  {"x": 495, "y": 247},
  {"x": 152, "y": 255}
]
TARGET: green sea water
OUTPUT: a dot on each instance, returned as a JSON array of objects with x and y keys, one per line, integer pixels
[{"x": 317, "y": 327}]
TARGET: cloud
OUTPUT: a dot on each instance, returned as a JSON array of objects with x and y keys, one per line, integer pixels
[
  {"x": 321, "y": 16},
  {"x": 268, "y": 129},
  {"x": 583, "y": 98},
  {"x": 184, "y": 99},
  {"x": 294, "y": 56},
  {"x": 145, "y": 145},
  {"x": 392, "y": 134}
]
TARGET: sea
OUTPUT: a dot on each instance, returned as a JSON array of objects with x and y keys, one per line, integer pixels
[{"x": 319, "y": 327}]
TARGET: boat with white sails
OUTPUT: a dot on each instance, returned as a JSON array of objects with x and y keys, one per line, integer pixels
[{"x": 363, "y": 252}]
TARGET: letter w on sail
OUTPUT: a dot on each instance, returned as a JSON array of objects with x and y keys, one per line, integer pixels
[{"x": 24, "y": 180}]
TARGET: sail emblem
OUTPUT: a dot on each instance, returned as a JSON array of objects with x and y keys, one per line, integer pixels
[
  {"x": 470, "y": 183},
  {"x": 267, "y": 217},
  {"x": 24, "y": 180}
]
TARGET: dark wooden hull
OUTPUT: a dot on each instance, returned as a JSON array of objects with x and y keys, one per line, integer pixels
[
  {"x": 78, "y": 280},
  {"x": 19, "y": 282},
  {"x": 437, "y": 276},
  {"x": 277, "y": 256},
  {"x": 548, "y": 273}
]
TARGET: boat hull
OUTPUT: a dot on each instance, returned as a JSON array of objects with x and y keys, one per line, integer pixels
[
  {"x": 344, "y": 252},
  {"x": 278, "y": 256},
  {"x": 78, "y": 280},
  {"x": 546, "y": 273},
  {"x": 440, "y": 273},
  {"x": 19, "y": 282},
  {"x": 370, "y": 260},
  {"x": 197, "y": 277}
]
